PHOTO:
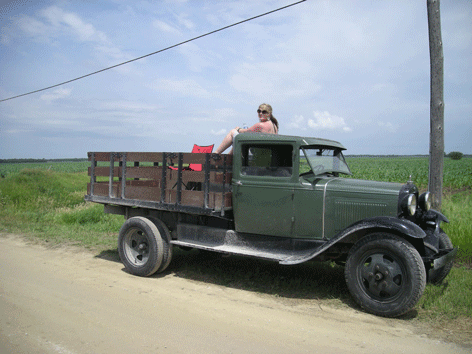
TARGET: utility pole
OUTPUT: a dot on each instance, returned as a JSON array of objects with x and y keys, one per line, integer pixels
[{"x": 436, "y": 141}]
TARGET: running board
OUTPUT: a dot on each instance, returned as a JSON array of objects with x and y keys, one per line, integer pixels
[{"x": 281, "y": 249}]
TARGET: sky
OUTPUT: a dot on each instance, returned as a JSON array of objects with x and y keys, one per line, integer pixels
[{"x": 357, "y": 72}]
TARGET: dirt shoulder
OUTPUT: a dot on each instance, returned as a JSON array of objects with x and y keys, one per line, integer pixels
[{"x": 67, "y": 300}]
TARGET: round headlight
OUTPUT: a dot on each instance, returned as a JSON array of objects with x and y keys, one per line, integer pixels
[
  {"x": 411, "y": 204},
  {"x": 425, "y": 201}
]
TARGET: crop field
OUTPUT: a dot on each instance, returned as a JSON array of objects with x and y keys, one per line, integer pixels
[
  {"x": 57, "y": 166},
  {"x": 457, "y": 174}
]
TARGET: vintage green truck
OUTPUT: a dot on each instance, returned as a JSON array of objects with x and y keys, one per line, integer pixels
[{"x": 282, "y": 198}]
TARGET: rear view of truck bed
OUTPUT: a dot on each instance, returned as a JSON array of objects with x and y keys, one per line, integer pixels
[{"x": 193, "y": 183}]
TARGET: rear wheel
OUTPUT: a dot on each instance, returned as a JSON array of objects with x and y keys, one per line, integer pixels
[
  {"x": 140, "y": 246},
  {"x": 167, "y": 246},
  {"x": 385, "y": 274}
]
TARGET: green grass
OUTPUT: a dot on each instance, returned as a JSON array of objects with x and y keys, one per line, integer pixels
[
  {"x": 458, "y": 208},
  {"x": 50, "y": 205},
  {"x": 47, "y": 204}
]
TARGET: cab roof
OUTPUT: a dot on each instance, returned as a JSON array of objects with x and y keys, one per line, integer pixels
[{"x": 301, "y": 141}]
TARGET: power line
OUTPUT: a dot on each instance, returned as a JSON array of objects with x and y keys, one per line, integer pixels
[{"x": 147, "y": 55}]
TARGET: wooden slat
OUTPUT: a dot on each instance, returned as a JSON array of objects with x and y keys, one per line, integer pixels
[
  {"x": 144, "y": 156},
  {"x": 102, "y": 156},
  {"x": 216, "y": 199},
  {"x": 157, "y": 157},
  {"x": 190, "y": 198},
  {"x": 187, "y": 176},
  {"x": 105, "y": 171},
  {"x": 101, "y": 188},
  {"x": 143, "y": 183},
  {"x": 194, "y": 158},
  {"x": 217, "y": 177},
  {"x": 149, "y": 172},
  {"x": 143, "y": 193}
]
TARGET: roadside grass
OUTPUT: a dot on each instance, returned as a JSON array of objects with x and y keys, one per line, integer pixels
[
  {"x": 458, "y": 208},
  {"x": 48, "y": 206}
]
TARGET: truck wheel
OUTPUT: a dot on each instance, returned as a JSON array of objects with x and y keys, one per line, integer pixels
[
  {"x": 385, "y": 274},
  {"x": 167, "y": 246},
  {"x": 140, "y": 246},
  {"x": 436, "y": 276}
]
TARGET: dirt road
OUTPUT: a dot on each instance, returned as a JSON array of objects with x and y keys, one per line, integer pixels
[{"x": 69, "y": 301}]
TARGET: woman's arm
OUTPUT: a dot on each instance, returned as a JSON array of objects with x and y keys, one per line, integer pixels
[{"x": 256, "y": 128}]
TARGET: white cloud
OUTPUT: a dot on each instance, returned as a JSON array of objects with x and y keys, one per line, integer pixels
[
  {"x": 197, "y": 59},
  {"x": 217, "y": 115},
  {"x": 129, "y": 106},
  {"x": 31, "y": 26},
  {"x": 326, "y": 121},
  {"x": 18, "y": 131},
  {"x": 187, "y": 87},
  {"x": 62, "y": 20},
  {"x": 184, "y": 21},
  {"x": 56, "y": 95},
  {"x": 53, "y": 24},
  {"x": 387, "y": 126},
  {"x": 219, "y": 132},
  {"x": 279, "y": 80},
  {"x": 164, "y": 27},
  {"x": 298, "y": 122}
]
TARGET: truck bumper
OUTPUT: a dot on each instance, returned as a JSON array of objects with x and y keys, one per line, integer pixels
[{"x": 444, "y": 259}]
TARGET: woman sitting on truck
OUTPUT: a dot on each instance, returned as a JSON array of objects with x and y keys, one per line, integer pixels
[{"x": 267, "y": 124}]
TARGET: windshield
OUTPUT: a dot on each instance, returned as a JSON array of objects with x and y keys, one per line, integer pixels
[{"x": 322, "y": 159}]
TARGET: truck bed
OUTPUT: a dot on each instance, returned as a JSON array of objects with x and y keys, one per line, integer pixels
[{"x": 161, "y": 180}]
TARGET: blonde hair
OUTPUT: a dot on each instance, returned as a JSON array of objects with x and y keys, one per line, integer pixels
[{"x": 268, "y": 108}]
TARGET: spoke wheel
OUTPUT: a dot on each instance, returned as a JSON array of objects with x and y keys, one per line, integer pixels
[
  {"x": 385, "y": 274},
  {"x": 140, "y": 246}
]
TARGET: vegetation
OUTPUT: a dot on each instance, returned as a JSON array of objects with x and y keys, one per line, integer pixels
[
  {"x": 46, "y": 202},
  {"x": 455, "y": 155}
]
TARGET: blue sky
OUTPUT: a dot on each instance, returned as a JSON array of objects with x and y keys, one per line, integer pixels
[{"x": 353, "y": 71}]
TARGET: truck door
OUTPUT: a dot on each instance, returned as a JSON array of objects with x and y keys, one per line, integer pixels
[{"x": 263, "y": 190}]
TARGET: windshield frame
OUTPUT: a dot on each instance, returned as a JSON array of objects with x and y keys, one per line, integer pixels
[{"x": 327, "y": 157}]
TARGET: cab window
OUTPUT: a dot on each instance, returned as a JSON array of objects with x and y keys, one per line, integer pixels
[{"x": 267, "y": 160}]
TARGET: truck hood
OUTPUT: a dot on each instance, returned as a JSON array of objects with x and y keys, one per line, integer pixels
[{"x": 350, "y": 185}]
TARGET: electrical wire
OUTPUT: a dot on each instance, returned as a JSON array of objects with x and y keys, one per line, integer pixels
[{"x": 153, "y": 53}]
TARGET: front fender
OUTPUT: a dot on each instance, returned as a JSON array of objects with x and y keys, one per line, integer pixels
[
  {"x": 363, "y": 227},
  {"x": 388, "y": 223},
  {"x": 435, "y": 216}
]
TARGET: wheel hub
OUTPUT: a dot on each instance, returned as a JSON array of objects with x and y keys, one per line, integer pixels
[
  {"x": 142, "y": 246},
  {"x": 381, "y": 276}
]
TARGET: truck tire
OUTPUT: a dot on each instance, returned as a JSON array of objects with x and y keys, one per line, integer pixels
[
  {"x": 167, "y": 246},
  {"x": 436, "y": 276},
  {"x": 140, "y": 246},
  {"x": 385, "y": 274}
]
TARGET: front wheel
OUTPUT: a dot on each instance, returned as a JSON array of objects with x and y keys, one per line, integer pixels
[
  {"x": 385, "y": 274},
  {"x": 140, "y": 246}
]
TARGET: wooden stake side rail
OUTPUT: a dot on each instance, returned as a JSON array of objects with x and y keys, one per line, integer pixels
[{"x": 161, "y": 180}]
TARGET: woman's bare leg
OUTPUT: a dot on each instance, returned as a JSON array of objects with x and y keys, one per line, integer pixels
[{"x": 227, "y": 142}]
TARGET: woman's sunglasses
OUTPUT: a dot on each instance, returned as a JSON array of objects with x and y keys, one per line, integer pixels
[{"x": 263, "y": 112}]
